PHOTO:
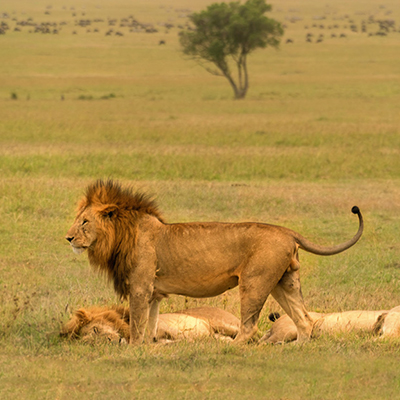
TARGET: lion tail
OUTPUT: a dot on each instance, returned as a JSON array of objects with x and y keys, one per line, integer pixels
[{"x": 306, "y": 245}]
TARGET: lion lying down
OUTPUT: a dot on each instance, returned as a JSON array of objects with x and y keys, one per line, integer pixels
[
  {"x": 382, "y": 323},
  {"x": 112, "y": 324}
]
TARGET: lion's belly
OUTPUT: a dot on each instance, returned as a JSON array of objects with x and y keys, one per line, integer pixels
[
  {"x": 205, "y": 270},
  {"x": 195, "y": 287}
]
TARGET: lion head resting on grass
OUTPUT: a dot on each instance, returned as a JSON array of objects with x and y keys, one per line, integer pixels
[
  {"x": 146, "y": 259},
  {"x": 96, "y": 324}
]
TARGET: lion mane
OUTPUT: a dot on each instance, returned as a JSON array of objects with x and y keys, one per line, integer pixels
[
  {"x": 115, "y": 241},
  {"x": 86, "y": 323}
]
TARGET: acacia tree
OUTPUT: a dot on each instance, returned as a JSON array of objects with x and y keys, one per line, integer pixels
[{"x": 224, "y": 34}]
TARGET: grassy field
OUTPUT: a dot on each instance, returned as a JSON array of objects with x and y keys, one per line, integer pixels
[{"x": 318, "y": 133}]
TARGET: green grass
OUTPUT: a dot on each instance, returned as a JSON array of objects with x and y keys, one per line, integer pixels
[
  {"x": 317, "y": 134},
  {"x": 209, "y": 369}
]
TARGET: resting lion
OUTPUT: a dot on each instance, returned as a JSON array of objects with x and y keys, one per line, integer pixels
[
  {"x": 112, "y": 323},
  {"x": 388, "y": 324},
  {"x": 147, "y": 259},
  {"x": 381, "y": 322}
]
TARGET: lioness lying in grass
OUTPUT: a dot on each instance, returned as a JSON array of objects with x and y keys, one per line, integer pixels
[
  {"x": 112, "y": 324},
  {"x": 382, "y": 323},
  {"x": 388, "y": 323}
]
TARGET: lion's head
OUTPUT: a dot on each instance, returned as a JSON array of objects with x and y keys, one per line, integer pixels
[
  {"x": 98, "y": 324},
  {"x": 105, "y": 226},
  {"x": 83, "y": 233}
]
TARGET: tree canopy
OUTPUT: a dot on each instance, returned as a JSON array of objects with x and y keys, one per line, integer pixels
[{"x": 226, "y": 33}]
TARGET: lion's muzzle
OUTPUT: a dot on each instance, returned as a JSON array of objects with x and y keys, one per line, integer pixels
[
  {"x": 69, "y": 238},
  {"x": 75, "y": 249}
]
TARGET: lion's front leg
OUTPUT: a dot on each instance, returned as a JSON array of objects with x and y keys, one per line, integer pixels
[
  {"x": 141, "y": 288},
  {"x": 139, "y": 314},
  {"x": 140, "y": 298},
  {"x": 151, "y": 332}
]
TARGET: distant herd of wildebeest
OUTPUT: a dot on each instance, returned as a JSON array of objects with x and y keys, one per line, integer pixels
[{"x": 321, "y": 28}]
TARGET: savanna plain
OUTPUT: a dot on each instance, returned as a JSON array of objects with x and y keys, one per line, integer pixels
[{"x": 318, "y": 133}]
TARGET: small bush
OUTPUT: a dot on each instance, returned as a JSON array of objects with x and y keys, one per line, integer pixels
[
  {"x": 84, "y": 97},
  {"x": 108, "y": 96}
]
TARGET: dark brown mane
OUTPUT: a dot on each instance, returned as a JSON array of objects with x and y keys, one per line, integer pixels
[
  {"x": 111, "y": 192},
  {"x": 118, "y": 211}
]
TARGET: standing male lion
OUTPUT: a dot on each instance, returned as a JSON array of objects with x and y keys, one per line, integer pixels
[{"x": 147, "y": 259}]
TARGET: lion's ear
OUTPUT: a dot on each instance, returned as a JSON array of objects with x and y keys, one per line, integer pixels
[
  {"x": 107, "y": 210},
  {"x": 82, "y": 204},
  {"x": 83, "y": 316}
]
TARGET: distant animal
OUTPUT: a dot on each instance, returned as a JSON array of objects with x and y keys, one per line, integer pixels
[
  {"x": 289, "y": 40},
  {"x": 147, "y": 259},
  {"x": 112, "y": 324},
  {"x": 161, "y": 42}
]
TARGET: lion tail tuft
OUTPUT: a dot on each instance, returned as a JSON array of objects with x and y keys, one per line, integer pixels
[{"x": 355, "y": 210}]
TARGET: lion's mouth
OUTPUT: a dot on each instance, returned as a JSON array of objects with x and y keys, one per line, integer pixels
[{"x": 78, "y": 250}]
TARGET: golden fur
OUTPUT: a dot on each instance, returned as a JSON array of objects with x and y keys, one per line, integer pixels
[
  {"x": 388, "y": 324},
  {"x": 87, "y": 323},
  {"x": 147, "y": 259},
  {"x": 284, "y": 329},
  {"x": 112, "y": 324}
]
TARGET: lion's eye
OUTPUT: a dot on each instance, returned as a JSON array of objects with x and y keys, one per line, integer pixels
[{"x": 85, "y": 221}]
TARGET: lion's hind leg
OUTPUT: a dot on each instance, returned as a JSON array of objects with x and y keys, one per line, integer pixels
[
  {"x": 250, "y": 314},
  {"x": 288, "y": 294},
  {"x": 254, "y": 289}
]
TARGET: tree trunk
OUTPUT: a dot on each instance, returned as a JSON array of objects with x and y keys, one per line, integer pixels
[
  {"x": 241, "y": 94},
  {"x": 235, "y": 88},
  {"x": 243, "y": 78},
  {"x": 240, "y": 89}
]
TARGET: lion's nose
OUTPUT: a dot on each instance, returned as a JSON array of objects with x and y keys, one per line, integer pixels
[{"x": 69, "y": 238}]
